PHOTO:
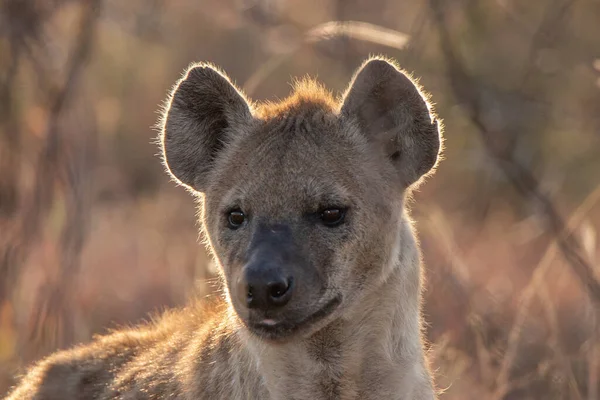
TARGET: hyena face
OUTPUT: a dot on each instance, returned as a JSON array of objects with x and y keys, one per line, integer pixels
[{"x": 302, "y": 199}]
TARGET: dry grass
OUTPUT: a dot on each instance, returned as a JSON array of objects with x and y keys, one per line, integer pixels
[{"x": 96, "y": 236}]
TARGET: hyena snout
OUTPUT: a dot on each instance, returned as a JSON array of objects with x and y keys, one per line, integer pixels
[
  {"x": 265, "y": 286},
  {"x": 272, "y": 271}
]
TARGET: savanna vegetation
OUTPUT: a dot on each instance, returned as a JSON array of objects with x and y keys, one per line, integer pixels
[{"x": 93, "y": 235}]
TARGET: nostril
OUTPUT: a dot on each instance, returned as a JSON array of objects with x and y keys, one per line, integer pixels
[
  {"x": 249, "y": 296},
  {"x": 279, "y": 291}
]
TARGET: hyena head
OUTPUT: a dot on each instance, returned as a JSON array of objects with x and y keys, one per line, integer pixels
[{"x": 302, "y": 200}]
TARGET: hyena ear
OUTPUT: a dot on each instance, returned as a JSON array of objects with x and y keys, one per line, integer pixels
[
  {"x": 204, "y": 108},
  {"x": 392, "y": 112}
]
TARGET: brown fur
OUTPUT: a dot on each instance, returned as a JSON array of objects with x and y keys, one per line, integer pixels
[{"x": 352, "y": 329}]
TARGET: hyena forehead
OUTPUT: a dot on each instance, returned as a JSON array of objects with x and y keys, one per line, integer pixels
[{"x": 303, "y": 155}]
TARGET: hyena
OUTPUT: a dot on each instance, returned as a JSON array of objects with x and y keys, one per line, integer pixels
[{"x": 302, "y": 204}]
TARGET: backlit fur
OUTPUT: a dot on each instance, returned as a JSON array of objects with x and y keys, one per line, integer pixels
[{"x": 353, "y": 329}]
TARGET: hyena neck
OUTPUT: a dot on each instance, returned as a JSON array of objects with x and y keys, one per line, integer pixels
[{"x": 374, "y": 351}]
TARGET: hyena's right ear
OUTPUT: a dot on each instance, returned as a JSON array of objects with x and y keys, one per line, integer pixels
[{"x": 204, "y": 108}]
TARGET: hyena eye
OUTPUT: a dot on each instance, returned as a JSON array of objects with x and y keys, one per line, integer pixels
[
  {"x": 236, "y": 218},
  {"x": 333, "y": 216}
]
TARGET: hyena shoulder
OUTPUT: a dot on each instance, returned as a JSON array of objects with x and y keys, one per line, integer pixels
[{"x": 134, "y": 362}]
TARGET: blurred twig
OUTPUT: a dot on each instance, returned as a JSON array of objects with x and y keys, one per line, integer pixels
[
  {"x": 546, "y": 34},
  {"x": 594, "y": 369},
  {"x": 466, "y": 90},
  {"x": 351, "y": 29},
  {"x": 528, "y": 294},
  {"x": 74, "y": 232},
  {"x": 551, "y": 316},
  {"x": 20, "y": 23},
  {"x": 9, "y": 132},
  {"x": 39, "y": 201}
]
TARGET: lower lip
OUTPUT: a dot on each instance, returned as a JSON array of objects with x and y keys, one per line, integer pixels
[{"x": 270, "y": 324}]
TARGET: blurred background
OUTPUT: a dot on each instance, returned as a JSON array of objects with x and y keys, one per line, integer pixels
[{"x": 93, "y": 235}]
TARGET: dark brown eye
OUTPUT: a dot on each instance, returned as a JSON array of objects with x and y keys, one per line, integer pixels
[
  {"x": 332, "y": 216},
  {"x": 235, "y": 219}
]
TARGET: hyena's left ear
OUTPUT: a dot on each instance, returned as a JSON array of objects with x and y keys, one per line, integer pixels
[
  {"x": 392, "y": 112},
  {"x": 203, "y": 112}
]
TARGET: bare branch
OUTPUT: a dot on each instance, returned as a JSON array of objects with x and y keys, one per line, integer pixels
[
  {"x": 465, "y": 90},
  {"x": 14, "y": 251}
]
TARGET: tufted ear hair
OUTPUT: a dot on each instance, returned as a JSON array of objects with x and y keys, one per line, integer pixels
[
  {"x": 391, "y": 111},
  {"x": 198, "y": 121}
]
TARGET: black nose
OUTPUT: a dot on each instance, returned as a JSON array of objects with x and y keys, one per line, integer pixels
[{"x": 265, "y": 289}]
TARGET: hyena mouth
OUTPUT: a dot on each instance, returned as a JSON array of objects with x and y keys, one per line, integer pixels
[{"x": 270, "y": 329}]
